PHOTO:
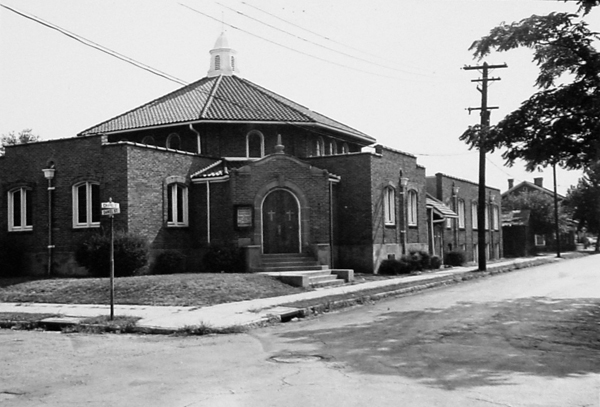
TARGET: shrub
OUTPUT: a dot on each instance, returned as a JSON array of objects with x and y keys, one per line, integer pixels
[
  {"x": 131, "y": 254},
  {"x": 455, "y": 258},
  {"x": 420, "y": 260},
  {"x": 224, "y": 259},
  {"x": 12, "y": 259},
  {"x": 436, "y": 262},
  {"x": 393, "y": 267},
  {"x": 169, "y": 262}
]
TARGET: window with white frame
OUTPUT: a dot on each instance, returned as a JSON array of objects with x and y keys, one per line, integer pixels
[
  {"x": 320, "y": 147},
  {"x": 540, "y": 240},
  {"x": 345, "y": 148},
  {"x": 86, "y": 205},
  {"x": 255, "y": 144},
  {"x": 19, "y": 210},
  {"x": 474, "y": 217},
  {"x": 461, "y": 214},
  {"x": 389, "y": 206},
  {"x": 177, "y": 206},
  {"x": 448, "y": 223},
  {"x": 411, "y": 204},
  {"x": 332, "y": 147},
  {"x": 495, "y": 217},
  {"x": 487, "y": 217}
]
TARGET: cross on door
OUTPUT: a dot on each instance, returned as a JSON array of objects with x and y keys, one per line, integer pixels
[
  {"x": 271, "y": 213},
  {"x": 289, "y": 214}
]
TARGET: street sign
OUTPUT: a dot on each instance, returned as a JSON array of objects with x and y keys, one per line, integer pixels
[
  {"x": 110, "y": 205},
  {"x": 111, "y": 211}
]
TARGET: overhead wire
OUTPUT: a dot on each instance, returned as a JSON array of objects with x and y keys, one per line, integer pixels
[
  {"x": 290, "y": 48},
  {"x": 96, "y": 46},
  {"x": 320, "y": 45}
]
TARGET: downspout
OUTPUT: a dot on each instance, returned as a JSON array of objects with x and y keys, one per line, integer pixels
[
  {"x": 208, "y": 212},
  {"x": 198, "y": 138},
  {"x": 331, "y": 224}
]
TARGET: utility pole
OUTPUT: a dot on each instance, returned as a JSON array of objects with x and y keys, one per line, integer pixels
[{"x": 485, "y": 124}]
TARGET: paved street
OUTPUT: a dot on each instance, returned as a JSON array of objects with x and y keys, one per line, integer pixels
[{"x": 526, "y": 338}]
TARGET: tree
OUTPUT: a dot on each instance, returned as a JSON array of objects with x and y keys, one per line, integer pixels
[
  {"x": 541, "y": 206},
  {"x": 560, "y": 123},
  {"x": 25, "y": 136},
  {"x": 584, "y": 201}
]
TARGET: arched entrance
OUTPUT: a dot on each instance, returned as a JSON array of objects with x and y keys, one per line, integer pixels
[{"x": 281, "y": 222}]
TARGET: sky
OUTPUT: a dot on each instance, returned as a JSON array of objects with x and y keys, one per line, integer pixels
[{"x": 391, "y": 69}]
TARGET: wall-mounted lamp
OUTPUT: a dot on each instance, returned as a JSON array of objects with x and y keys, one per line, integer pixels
[
  {"x": 49, "y": 173},
  {"x": 455, "y": 189},
  {"x": 404, "y": 182}
]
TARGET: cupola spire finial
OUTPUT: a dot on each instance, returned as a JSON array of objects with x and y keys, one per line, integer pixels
[{"x": 223, "y": 60}]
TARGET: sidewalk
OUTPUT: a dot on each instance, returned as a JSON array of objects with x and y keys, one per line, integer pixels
[{"x": 160, "y": 319}]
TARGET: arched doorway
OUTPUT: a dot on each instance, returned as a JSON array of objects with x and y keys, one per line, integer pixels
[{"x": 281, "y": 222}]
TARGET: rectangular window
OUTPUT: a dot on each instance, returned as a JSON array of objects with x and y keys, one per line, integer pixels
[
  {"x": 412, "y": 208},
  {"x": 389, "y": 206},
  {"x": 486, "y": 218},
  {"x": 19, "y": 210},
  {"x": 449, "y": 223},
  {"x": 495, "y": 217},
  {"x": 177, "y": 205},
  {"x": 461, "y": 214},
  {"x": 540, "y": 240},
  {"x": 474, "y": 217},
  {"x": 86, "y": 205}
]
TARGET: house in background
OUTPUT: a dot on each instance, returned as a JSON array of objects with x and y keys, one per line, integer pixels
[
  {"x": 460, "y": 232},
  {"x": 220, "y": 161},
  {"x": 521, "y": 235}
]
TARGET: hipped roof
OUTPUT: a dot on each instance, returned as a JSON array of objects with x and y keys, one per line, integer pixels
[{"x": 218, "y": 99}]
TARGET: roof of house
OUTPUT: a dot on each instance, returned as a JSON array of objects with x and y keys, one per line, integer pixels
[
  {"x": 221, "y": 98},
  {"x": 531, "y": 185},
  {"x": 439, "y": 207},
  {"x": 516, "y": 218}
]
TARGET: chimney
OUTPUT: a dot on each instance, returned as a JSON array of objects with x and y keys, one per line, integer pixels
[
  {"x": 539, "y": 182},
  {"x": 511, "y": 183}
]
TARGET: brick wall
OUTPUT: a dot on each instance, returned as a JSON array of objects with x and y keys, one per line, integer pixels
[{"x": 466, "y": 238}]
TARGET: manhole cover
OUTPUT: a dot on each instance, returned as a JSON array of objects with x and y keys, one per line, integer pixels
[{"x": 296, "y": 358}]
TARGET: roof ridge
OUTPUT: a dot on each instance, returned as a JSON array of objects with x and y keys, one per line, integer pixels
[
  {"x": 206, "y": 168},
  {"x": 156, "y": 100},
  {"x": 211, "y": 96}
]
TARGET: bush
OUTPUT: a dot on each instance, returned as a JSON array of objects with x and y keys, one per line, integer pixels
[
  {"x": 420, "y": 260},
  {"x": 169, "y": 262},
  {"x": 12, "y": 259},
  {"x": 436, "y": 262},
  {"x": 224, "y": 259},
  {"x": 131, "y": 254},
  {"x": 455, "y": 258},
  {"x": 393, "y": 267}
]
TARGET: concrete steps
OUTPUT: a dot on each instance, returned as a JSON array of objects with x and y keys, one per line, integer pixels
[{"x": 302, "y": 270}]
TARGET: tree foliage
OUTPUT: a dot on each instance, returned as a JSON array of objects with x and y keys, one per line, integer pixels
[
  {"x": 25, "y": 136},
  {"x": 541, "y": 208},
  {"x": 558, "y": 124},
  {"x": 583, "y": 201}
]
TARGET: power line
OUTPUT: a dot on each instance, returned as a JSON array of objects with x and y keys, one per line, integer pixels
[
  {"x": 289, "y": 48},
  {"x": 320, "y": 45},
  {"x": 94, "y": 45}
]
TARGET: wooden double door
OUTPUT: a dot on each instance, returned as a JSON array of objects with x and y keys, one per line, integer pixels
[{"x": 281, "y": 223}]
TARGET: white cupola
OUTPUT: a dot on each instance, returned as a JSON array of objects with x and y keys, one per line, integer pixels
[{"x": 222, "y": 58}]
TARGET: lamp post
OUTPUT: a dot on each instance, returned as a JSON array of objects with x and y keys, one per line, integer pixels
[
  {"x": 49, "y": 175},
  {"x": 403, "y": 184}
]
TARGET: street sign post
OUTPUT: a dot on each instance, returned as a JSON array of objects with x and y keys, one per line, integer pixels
[{"x": 110, "y": 209}]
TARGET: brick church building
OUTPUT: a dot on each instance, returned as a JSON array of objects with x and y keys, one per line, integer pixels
[{"x": 220, "y": 161}]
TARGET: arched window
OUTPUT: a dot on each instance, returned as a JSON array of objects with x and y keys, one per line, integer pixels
[
  {"x": 255, "y": 144},
  {"x": 474, "y": 217},
  {"x": 389, "y": 206},
  {"x": 333, "y": 147},
  {"x": 217, "y": 62},
  {"x": 412, "y": 205},
  {"x": 149, "y": 140},
  {"x": 461, "y": 214},
  {"x": 86, "y": 205},
  {"x": 174, "y": 141},
  {"x": 177, "y": 205},
  {"x": 199, "y": 144},
  {"x": 19, "y": 210},
  {"x": 345, "y": 149},
  {"x": 320, "y": 147}
]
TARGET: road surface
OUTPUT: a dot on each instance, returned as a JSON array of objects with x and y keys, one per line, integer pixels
[{"x": 526, "y": 338}]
